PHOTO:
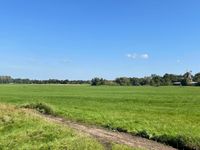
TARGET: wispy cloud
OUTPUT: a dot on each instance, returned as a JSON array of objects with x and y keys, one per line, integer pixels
[
  {"x": 144, "y": 56},
  {"x": 132, "y": 56},
  {"x": 138, "y": 56}
]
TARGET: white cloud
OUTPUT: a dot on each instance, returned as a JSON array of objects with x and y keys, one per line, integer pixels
[
  {"x": 129, "y": 55},
  {"x": 144, "y": 56},
  {"x": 136, "y": 56},
  {"x": 132, "y": 56}
]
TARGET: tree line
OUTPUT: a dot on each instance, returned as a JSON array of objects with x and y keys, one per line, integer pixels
[
  {"x": 10, "y": 80},
  {"x": 153, "y": 80}
]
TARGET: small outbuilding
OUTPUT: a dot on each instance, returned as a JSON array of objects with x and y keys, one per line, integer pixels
[{"x": 177, "y": 83}]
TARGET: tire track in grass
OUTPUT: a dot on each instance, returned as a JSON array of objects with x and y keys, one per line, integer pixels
[{"x": 107, "y": 136}]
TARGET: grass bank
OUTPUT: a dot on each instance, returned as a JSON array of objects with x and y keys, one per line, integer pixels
[{"x": 23, "y": 129}]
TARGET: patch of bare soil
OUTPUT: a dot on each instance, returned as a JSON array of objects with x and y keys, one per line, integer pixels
[{"x": 106, "y": 136}]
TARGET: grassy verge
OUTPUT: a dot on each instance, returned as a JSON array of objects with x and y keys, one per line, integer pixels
[{"x": 23, "y": 129}]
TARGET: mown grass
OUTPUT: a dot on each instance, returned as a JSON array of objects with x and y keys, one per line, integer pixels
[
  {"x": 167, "y": 114},
  {"x": 24, "y": 129}
]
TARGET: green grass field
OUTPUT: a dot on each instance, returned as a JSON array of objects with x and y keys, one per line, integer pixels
[
  {"x": 166, "y": 114},
  {"x": 26, "y": 130}
]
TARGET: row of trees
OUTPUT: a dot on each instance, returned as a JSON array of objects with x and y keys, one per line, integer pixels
[
  {"x": 153, "y": 80},
  {"x": 8, "y": 79}
]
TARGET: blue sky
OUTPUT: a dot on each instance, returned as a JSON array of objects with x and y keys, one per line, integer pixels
[{"x": 76, "y": 39}]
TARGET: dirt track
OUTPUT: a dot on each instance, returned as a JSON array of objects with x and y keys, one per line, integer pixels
[{"x": 107, "y": 137}]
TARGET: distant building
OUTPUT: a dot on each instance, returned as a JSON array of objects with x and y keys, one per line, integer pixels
[
  {"x": 193, "y": 83},
  {"x": 188, "y": 76},
  {"x": 177, "y": 83}
]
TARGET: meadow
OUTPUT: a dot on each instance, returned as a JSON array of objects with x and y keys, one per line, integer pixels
[{"x": 169, "y": 115}]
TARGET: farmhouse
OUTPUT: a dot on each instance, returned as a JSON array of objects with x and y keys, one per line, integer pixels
[{"x": 188, "y": 77}]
